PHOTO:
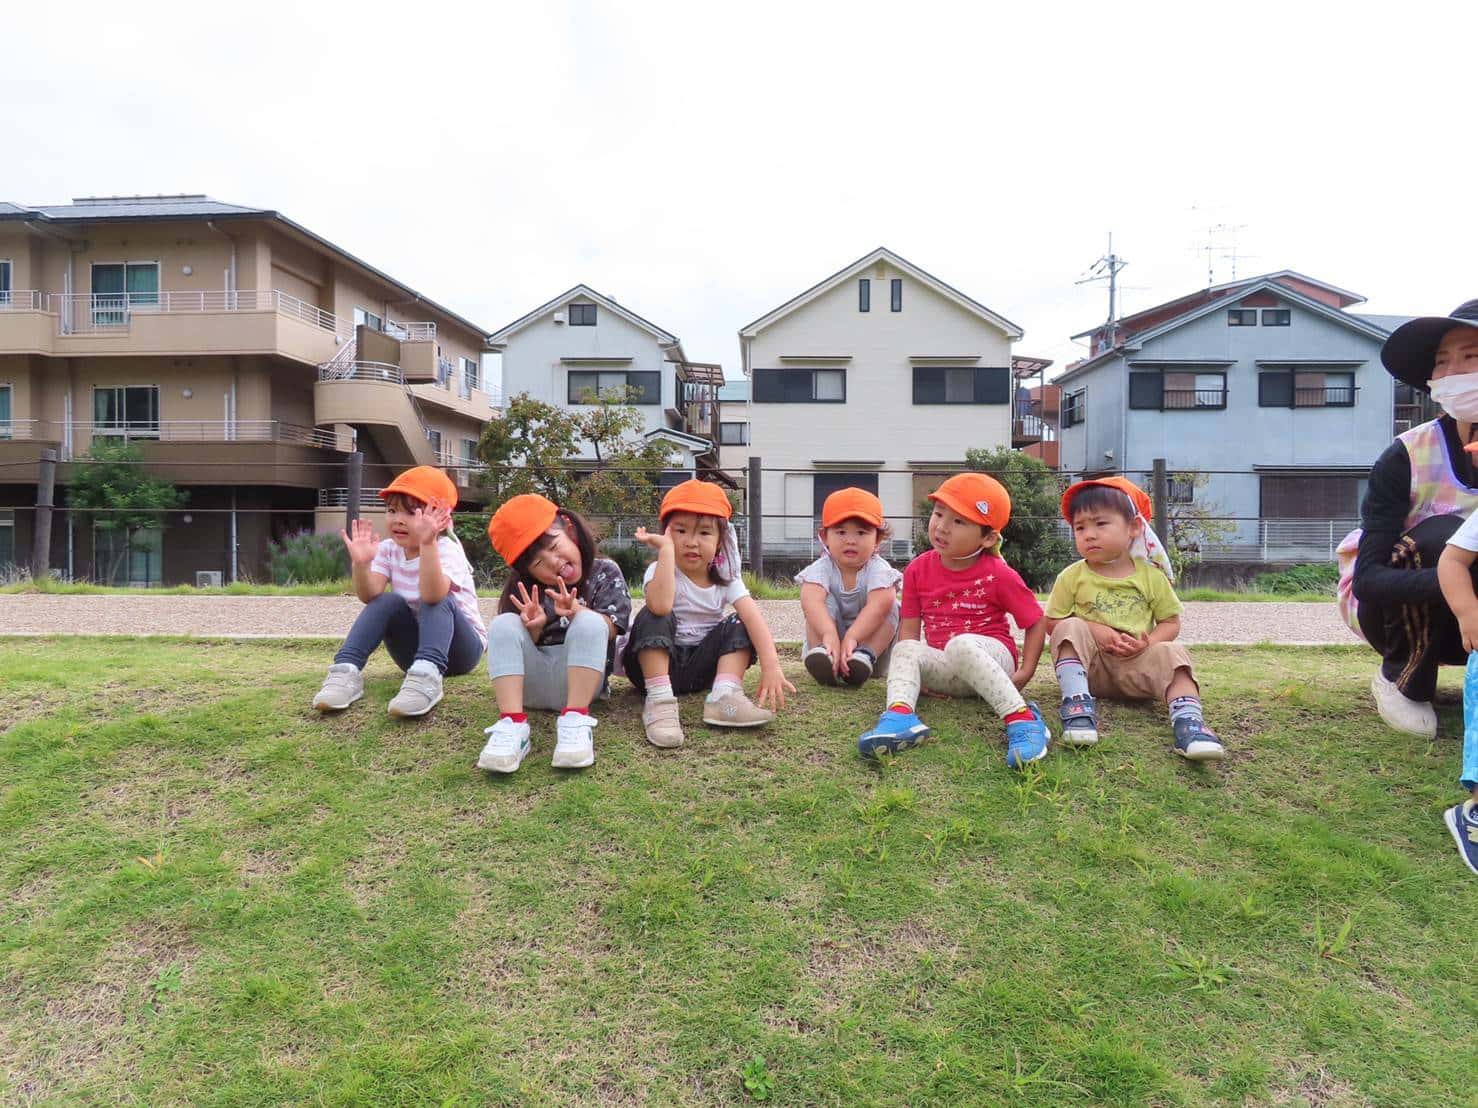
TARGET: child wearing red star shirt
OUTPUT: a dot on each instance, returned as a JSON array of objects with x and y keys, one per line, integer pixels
[{"x": 957, "y": 596}]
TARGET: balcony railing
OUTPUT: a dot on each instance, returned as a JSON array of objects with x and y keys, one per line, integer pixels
[
  {"x": 86, "y": 314},
  {"x": 1337, "y": 396},
  {"x": 410, "y": 332},
  {"x": 382, "y": 372},
  {"x": 339, "y": 498},
  {"x": 1176, "y": 400},
  {"x": 22, "y": 300},
  {"x": 211, "y": 430},
  {"x": 28, "y": 430},
  {"x": 1032, "y": 427}
]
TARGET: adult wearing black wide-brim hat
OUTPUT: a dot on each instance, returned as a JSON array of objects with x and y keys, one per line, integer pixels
[{"x": 1420, "y": 490}]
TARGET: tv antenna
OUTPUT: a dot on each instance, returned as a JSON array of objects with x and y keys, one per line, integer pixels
[
  {"x": 1107, "y": 269},
  {"x": 1215, "y": 251}
]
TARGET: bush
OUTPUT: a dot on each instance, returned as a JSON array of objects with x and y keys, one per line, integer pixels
[
  {"x": 306, "y": 558},
  {"x": 631, "y": 557},
  {"x": 1321, "y": 577}
]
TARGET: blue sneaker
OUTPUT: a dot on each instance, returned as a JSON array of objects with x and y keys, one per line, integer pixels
[
  {"x": 894, "y": 732},
  {"x": 1079, "y": 721},
  {"x": 1026, "y": 739},
  {"x": 1196, "y": 742},
  {"x": 1462, "y": 821}
]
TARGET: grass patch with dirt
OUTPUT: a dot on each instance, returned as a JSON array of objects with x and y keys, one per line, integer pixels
[{"x": 209, "y": 894}]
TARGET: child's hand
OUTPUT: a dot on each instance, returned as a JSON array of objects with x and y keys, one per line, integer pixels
[
  {"x": 838, "y": 653},
  {"x": 657, "y": 540},
  {"x": 530, "y": 610},
  {"x": 566, "y": 603},
  {"x": 428, "y": 523},
  {"x": 1468, "y": 624},
  {"x": 773, "y": 687},
  {"x": 1132, "y": 646},
  {"x": 1022, "y": 677},
  {"x": 362, "y": 545}
]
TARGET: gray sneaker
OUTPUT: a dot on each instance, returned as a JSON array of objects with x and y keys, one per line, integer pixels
[
  {"x": 341, "y": 688},
  {"x": 419, "y": 692}
]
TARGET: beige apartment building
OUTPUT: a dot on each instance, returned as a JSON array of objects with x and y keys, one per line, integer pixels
[{"x": 246, "y": 355}]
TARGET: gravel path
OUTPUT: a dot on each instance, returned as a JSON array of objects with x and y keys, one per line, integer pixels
[{"x": 330, "y": 617}]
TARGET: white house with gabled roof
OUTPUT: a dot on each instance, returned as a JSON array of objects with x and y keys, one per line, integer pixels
[
  {"x": 881, "y": 376},
  {"x": 581, "y": 344}
]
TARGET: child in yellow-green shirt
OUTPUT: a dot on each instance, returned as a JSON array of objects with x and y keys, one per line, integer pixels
[{"x": 1114, "y": 619}]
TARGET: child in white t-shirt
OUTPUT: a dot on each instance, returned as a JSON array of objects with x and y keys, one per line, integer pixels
[
  {"x": 427, "y": 618},
  {"x": 681, "y": 641}
]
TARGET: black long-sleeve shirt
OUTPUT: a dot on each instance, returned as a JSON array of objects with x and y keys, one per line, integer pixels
[{"x": 1383, "y": 519}]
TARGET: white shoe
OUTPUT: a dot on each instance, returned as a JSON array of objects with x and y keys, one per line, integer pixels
[
  {"x": 573, "y": 746},
  {"x": 341, "y": 688},
  {"x": 507, "y": 746},
  {"x": 419, "y": 692},
  {"x": 1414, "y": 717}
]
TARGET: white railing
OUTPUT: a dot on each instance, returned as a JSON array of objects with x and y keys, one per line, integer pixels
[
  {"x": 22, "y": 300},
  {"x": 209, "y": 430},
  {"x": 339, "y": 498},
  {"x": 382, "y": 372},
  {"x": 83, "y": 314},
  {"x": 341, "y": 363},
  {"x": 410, "y": 332},
  {"x": 27, "y": 430}
]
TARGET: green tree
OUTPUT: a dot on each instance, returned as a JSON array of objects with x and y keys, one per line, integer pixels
[
  {"x": 1034, "y": 542},
  {"x": 1195, "y": 525},
  {"x": 111, "y": 492}
]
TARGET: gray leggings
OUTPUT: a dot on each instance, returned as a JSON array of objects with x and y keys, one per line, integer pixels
[
  {"x": 512, "y": 653},
  {"x": 437, "y": 633}
]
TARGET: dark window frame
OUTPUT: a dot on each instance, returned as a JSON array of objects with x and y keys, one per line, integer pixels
[
  {"x": 864, "y": 294},
  {"x": 742, "y": 440},
  {"x": 581, "y": 315},
  {"x": 1287, "y": 391},
  {"x": 991, "y": 384},
  {"x": 1281, "y": 317},
  {"x": 1241, "y": 317},
  {"x": 651, "y": 385},
  {"x": 766, "y": 377},
  {"x": 1180, "y": 490},
  {"x": 1161, "y": 406},
  {"x": 895, "y": 294},
  {"x": 1074, "y": 408}
]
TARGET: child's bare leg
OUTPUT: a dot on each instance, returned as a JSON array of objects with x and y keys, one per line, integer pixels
[
  {"x": 880, "y": 639},
  {"x": 1182, "y": 684},
  {"x": 654, "y": 661},
  {"x": 508, "y": 692},
  {"x": 732, "y": 665},
  {"x": 581, "y": 685}
]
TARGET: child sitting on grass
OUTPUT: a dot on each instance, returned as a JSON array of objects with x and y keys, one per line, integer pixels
[
  {"x": 1455, "y": 575},
  {"x": 849, "y": 595},
  {"x": 1114, "y": 617},
  {"x": 428, "y": 617}
]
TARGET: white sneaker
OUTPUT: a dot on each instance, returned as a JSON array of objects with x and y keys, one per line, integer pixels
[
  {"x": 573, "y": 746},
  {"x": 507, "y": 746},
  {"x": 419, "y": 692},
  {"x": 341, "y": 688},
  {"x": 1414, "y": 717}
]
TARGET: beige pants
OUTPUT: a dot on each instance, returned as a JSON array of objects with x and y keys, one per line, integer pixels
[
  {"x": 969, "y": 665},
  {"x": 1144, "y": 677}
]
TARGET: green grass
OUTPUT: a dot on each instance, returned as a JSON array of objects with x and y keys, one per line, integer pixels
[
  {"x": 239, "y": 588},
  {"x": 1250, "y": 597},
  {"x": 210, "y": 895}
]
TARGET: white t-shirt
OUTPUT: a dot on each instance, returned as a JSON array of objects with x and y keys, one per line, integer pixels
[
  {"x": 405, "y": 578},
  {"x": 874, "y": 574},
  {"x": 697, "y": 609},
  {"x": 1466, "y": 537}
]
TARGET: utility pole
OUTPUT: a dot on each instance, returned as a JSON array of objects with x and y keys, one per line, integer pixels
[{"x": 1107, "y": 269}]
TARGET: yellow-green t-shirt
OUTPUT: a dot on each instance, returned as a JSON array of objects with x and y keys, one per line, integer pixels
[{"x": 1133, "y": 604}]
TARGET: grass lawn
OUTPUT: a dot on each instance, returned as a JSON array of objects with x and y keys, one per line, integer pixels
[
  {"x": 51, "y": 585},
  {"x": 209, "y": 895}
]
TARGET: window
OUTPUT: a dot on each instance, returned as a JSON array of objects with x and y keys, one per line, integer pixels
[
  {"x": 733, "y": 434},
  {"x": 824, "y": 484},
  {"x": 864, "y": 295},
  {"x": 7, "y": 537},
  {"x": 6, "y": 428},
  {"x": 1151, "y": 390},
  {"x": 1290, "y": 388},
  {"x": 962, "y": 385},
  {"x": 469, "y": 452},
  {"x": 588, "y": 386},
  {"x": 131, "y": 411},
  {"x": 434, "y": 438},
  {"x": 895, "y": 294},
  {"x": 364, "y": 318},
  {"x": 471, "y": 374},
  {"x": 1182, "y": 490},
  {"x": 120, "y": 286},
  {"x": 582, "y": 315},
  {"x": 1276, "y": 317},
  {"x": 800, "y": 386},
  {"x": 1311, "y": 497},
  {"x": 123, "y": 559},
  {"x": 1242, "y": 317},
  {"x": 4, "y": 284},
  {"x": 1074, "y": 408}
]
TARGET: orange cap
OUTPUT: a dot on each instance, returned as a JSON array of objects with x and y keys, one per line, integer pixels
[
  {"x": 852, "y": 503},
  {"x": 1137, "y": 496},
  {"x": 427, "y": 484},
  {"x": 701, "y": 497},
  {"x": 518, "y": 521},
  {"x": 977, "y": 497}
]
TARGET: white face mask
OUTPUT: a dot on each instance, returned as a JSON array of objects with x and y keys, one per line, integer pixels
[{"x": 1458, "y": 396}]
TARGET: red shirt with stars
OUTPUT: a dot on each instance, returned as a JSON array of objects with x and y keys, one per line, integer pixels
[{"x": 973, "y": 601}]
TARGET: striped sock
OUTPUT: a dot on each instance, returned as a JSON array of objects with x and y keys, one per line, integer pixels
[
  {"x": 1072, "y": 678},
  {"x": 1186, "y": 707}
]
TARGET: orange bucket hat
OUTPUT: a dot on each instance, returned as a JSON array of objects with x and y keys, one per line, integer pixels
[
  {"x": 703, "y": 498},
  {"x": 518, "y": 522},
  {"x": 1137, "y": 496},
  {"x": 977, "y": 497},
  {"x": 427, "y": 484},
  {"x": 852, "y": 503}
]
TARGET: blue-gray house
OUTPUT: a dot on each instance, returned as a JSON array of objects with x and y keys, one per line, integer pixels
[{"x": 1269, "y": 385}]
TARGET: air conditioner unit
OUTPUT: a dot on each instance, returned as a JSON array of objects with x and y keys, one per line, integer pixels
[
  {"x": 560, "y": 317},
  {"x": 207, "y": 578}
]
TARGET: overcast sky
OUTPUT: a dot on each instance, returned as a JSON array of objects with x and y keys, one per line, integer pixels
[{"x": 702, "y": 163}]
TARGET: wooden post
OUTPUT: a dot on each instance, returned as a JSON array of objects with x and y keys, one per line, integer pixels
[
  {"x": 756, "y": 520},
  {"x": 1160, "y": 495},
  {"x": 45, "y": 496},
  {"x": 355, "y": 489}
]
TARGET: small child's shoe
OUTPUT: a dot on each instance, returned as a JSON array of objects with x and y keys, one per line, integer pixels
[
  {"x": 341, "y": 688},
  {"x": 818, "y": 664},
  {"x": 1026, "y": 739},
  {"x": 1462, "y": 821},
  {"x": 1196, "y": 742},
  {"x": 734, "y": 709},
  {"x": 574, "y": 746},
  {"x": 859, "y": 667},
  {"x": 1079, "y": 720},
  {"x": 895, "y": 731},
  {"x": 419, "y": 692},
  {"x": 664, "y": 728},
  {"x": 507, "y": 746}
]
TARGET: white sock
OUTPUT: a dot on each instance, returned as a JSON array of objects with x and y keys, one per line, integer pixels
[
  {"x": 424, "y": 668},
  {"x": 724, "y": 684},
  {"x": 659, "y": 688}
]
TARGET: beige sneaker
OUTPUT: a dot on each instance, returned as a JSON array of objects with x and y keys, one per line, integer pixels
[
  {"x": 660, "y": 718},
  {"x": 734, "y": 709},
  {"x": 419, "y": 692},
  {"x": 341, "y": 688}
]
